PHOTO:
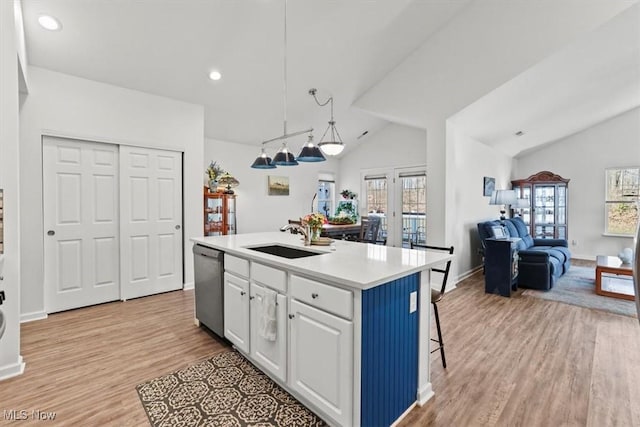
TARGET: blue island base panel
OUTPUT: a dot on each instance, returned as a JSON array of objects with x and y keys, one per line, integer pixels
[{"x": 389, "y": 351}]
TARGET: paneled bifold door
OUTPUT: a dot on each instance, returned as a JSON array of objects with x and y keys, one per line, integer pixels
[
  {"x": 151, "y": 221},
  {"x": 112, "y": 222},
  {"x": 81, "y": 241}
]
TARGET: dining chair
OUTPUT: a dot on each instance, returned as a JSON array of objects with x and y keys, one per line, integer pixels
[
  {"x": 437, "y": 295},
  {"x": 369, "y": 228}
]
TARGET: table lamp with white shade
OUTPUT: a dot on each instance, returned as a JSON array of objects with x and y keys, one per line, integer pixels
[{"x": 504, "y": 198}]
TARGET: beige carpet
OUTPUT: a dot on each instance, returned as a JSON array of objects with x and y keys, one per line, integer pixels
[{"x": 225, "y": 390}]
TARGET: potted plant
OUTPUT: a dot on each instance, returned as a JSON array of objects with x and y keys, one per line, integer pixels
[
  {"x": 213, "y": 172},
  {"x": 348, "y": 194}
]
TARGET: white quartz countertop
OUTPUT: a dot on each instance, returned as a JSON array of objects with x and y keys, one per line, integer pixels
[{"x": 350, "y": 264}]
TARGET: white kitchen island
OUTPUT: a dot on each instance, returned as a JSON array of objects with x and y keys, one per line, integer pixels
[{"x": 352, "y": 338}]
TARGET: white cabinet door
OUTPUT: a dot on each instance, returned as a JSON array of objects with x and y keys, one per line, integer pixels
[
  {"x": 151, "y": 221},
  {"x": 81, "y": 242},
  {"x": 271, "y": 355},
  {"x": 236, "y": 311},
  {"x": 321, "y": 360}
]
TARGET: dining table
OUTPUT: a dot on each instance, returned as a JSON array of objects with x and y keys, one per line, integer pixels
[
  {"x": 341, "y": 231},
  {"x": 338, "y": 231}
]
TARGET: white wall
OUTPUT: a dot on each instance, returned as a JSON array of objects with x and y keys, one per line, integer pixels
[
  {"x": 68, "y": 106},
  {"x": 582, "y": 158},
  {"x": 472, "y": 161},
  {"x": 257, "y": 211},
  {"x": 391, "y": 147},
  {"x": 10, "y": 359}
]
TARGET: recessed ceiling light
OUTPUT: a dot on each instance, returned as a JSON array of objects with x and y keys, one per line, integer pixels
[
  {"x": 49, "y": 23},
  {"x": 215, "y": 75}
]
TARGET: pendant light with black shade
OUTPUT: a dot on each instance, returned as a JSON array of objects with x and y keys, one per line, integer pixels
[{"x": 284, "y": 157}]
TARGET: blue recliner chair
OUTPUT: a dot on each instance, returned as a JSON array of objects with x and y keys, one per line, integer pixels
[{"x": 541, "y": 261}]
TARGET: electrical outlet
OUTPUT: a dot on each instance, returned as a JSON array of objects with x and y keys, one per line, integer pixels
[{"x": 413, "y": 301}]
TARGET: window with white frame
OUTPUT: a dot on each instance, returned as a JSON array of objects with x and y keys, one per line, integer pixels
[
  {"x": 621, "y": 200},
  {"x": 326, "y": 190}
]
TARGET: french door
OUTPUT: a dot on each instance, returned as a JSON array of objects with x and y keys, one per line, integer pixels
[
  {"x": 81, "y": 241},
  {"x": 398, "y": 196}
]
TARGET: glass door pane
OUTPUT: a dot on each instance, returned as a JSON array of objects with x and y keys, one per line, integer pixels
[
  {"x": 562, "y": 205},
  {"x": 231, "y": 215},
  {"x": 376, "y": 201},
  {"x": 524, "y": 192},
  {"x": 544, "y": 199},
  {"x": 213, "y": 219},
  {"x": 414, "y": 209}
]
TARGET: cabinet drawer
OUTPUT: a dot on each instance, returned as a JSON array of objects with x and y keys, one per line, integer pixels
[
  {"x": 325, "y": 297},
  {"x": 269, "y": 276},
  {"x": 236, "y": 265}
]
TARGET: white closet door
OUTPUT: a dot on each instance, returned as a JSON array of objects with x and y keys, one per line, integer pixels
[
  {"x": 150, "y": 221},
  {"x": 80, "y": 192}
]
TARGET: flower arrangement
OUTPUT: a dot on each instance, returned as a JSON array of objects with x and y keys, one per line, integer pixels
[
  {"x": 314, "y": 220},
  {"x": 348, "y": 194},
  {"x": 214, "y": 171}
]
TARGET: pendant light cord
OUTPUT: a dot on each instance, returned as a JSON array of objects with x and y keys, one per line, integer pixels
[{"x": 285, "y": 69}]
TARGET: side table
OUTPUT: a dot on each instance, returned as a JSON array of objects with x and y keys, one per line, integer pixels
[
  {"x": 613, "y": 265},
  {"x": 501, "y": 266}
]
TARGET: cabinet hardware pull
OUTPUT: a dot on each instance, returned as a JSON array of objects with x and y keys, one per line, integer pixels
[
  {"x": 291, "y": 316},
  {"x": 314, "y": 296},
  {"x": 50, "y": 233},
  {"x": 177, "y": 227},
  {"x": 252, "y": 297},
  {"x": 242, "y": 293}
]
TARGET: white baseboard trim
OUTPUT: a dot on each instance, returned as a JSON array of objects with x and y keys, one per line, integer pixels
[
  {"x": 35, "y": 315},
  {"x": 584, "y": 257},
  {"x": 425, "y": 394},
  {"x": 404, "y": 414},
  {"x": 13, "y": 370},
  {"x": 468, "y": 273},
  {"x": 188, "y": 286}
]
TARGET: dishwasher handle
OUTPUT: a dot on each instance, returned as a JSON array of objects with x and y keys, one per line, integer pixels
[{"x": 208, "y": 252}]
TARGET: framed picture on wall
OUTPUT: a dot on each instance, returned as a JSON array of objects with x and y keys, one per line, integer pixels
[
  {"x": 488, "y": 185},
  {"x": 278, "y": 185}
]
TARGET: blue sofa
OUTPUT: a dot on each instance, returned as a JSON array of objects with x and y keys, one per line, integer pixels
[{"x": 541, "y": 261}]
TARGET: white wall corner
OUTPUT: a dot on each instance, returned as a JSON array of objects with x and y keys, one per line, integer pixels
[
  {"x": 33, "y": 316},
  {"x": 12, "y": 370}
]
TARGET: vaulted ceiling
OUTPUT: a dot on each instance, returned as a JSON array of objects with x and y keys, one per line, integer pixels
[
  {"x": 343, "y": 48},
  {"x": 168, "y": 47}
]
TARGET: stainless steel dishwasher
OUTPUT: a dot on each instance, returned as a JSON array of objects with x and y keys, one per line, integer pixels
[{"x": 209, "y": 287}]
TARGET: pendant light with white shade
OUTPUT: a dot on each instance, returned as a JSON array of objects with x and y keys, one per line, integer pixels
[{"x": 333, "y": 145}]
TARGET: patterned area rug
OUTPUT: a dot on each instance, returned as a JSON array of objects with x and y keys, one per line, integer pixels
[
  {"x": 577, "y": 287},
  {"x": 225, "y": 390}
]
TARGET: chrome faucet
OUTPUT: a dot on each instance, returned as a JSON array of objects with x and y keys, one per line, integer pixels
[{"x": 305, "y": 230}]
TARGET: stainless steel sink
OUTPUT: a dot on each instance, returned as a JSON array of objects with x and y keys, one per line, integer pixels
[{"x": 284, "y": 251}]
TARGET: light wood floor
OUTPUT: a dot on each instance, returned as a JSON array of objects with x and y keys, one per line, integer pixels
[{"x": 511, "y": 362}]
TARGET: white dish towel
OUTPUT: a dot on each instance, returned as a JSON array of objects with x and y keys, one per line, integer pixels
[{"x": 268, "y": 323}]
